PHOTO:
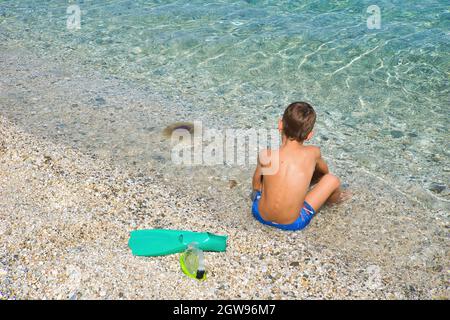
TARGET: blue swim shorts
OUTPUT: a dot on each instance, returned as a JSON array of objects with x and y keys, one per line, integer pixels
[{"x": 303, "y": 220}]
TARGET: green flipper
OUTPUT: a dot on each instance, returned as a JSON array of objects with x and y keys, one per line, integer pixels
[{"x": 160, "y": 242}]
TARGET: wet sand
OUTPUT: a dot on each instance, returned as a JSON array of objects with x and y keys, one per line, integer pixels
[{"x": 66, "y": 213}]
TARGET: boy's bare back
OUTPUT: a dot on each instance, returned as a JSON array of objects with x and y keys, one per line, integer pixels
[{"x": 283, "y": 193}]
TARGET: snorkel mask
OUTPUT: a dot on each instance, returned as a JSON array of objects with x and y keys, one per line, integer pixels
[{"x": 192, "y": 262}]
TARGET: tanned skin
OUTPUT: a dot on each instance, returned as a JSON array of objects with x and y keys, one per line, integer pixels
[{"x": 300, "y": 166}]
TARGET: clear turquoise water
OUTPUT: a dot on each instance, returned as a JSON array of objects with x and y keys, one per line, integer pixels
[{"x": 382, "y": 95}]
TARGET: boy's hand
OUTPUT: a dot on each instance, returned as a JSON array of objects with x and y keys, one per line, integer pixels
[{"x": 253, "y": 195}]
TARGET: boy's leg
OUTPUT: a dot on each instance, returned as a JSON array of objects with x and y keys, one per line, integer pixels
[
  {"x": 326, "y": 190},
  {"x": 316, "y": 177}
]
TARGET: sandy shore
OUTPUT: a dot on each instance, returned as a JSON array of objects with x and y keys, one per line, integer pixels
[
  {"x": 65, "y": 218},
  {"x": 66, "y": 212}
]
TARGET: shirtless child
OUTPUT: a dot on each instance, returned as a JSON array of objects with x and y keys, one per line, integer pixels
[{"x": 281, "y": 198}]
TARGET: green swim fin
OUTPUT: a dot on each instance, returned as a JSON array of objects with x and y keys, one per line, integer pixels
[{"x": 160, "y": 242}]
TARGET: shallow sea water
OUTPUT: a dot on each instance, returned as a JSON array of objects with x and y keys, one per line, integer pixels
[{"x": 382, "y": 95}]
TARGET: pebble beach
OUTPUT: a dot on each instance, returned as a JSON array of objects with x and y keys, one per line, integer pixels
[
  {"x": 85, "y": 120},
  {"x": 66, "y": 216}
]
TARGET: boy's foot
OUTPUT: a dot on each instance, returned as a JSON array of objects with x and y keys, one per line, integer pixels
[
  {"x": 345, "y": 195},
  {"x": 339, "y": 197}
]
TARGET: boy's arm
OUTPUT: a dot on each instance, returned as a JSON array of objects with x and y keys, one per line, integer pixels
[
  {"x": 321, "y": 165},
  {"x": 257, "y": 177},
  {"x": 257, "y": 181},
  {"x": 321, "y": 168}
]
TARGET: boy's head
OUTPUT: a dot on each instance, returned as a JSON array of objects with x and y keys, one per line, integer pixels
[{"x": 298, "y": 121}]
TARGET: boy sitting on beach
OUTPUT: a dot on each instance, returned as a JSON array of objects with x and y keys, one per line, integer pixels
[{"x": 281, "y": 196}]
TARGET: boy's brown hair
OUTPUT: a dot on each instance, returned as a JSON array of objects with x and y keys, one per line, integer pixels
[{"x": 298, "y": 121}]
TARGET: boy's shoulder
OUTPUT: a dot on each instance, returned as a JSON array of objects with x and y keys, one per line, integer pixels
[
  {"x": 265, "y": 155},
  {"x": 309, "y": 148},
  {"x": 266, "y": 152},
  {"x": 314, "y": 150}
]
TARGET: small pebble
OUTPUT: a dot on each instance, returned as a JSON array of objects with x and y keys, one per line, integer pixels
[
  {"x": 396, "y": 134},
  {"x": 232, "y": 183},
  {"x": 437, "y": 187},
  {"x": 100, "y": 101}
]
